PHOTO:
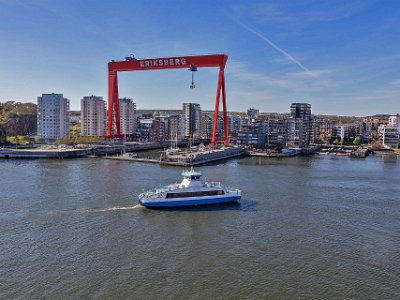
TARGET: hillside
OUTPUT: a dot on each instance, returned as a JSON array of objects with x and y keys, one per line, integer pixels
[{"x": 17, "y": 118}]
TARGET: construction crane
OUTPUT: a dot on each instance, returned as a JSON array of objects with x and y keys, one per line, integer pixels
[{"x": 191, "y": 62}]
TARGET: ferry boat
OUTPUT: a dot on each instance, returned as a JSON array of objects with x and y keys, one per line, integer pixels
[{"x": 190, "y": 192}]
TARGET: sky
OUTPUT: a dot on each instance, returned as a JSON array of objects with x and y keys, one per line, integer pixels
[{"x": 341, "y": 56}]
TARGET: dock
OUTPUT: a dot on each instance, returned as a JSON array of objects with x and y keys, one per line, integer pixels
[
  {"x": 202, "y": 156},
  {"x": 61, "y": 152},
  {"x": 352, "y": 151},
  {"x": 189, "y": 158},
  {"x": 45, "y": 153}
]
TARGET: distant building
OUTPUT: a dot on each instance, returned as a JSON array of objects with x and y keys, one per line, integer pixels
[
  {"x": 192, "y": 120},
  {"x": 391, "y": 136},
  {"x": 52, "y": 116},
  {"x": 156, "y": 131},
  {"x": 74, "y": 117},
  {"x": 252, "y": 134},
  {"x": 234, "y": 122},
  {"x": 299, "y": 125},
  {"x": 127, "y": 109},
  {"x": 206, "y": 125},
  {"x": 160, "y": 128},
  {"x": 144, "y": 129},
  {"x": 394, "y": 120},
  {"x": 93, "y": 116},
  {"x": 252, "y": 113},
  {"x": 276, "y": 132},
  {"x": 175, "y": 127},
  {"x": 346, "y": 132},
  {"x": 323, "y": 131}
]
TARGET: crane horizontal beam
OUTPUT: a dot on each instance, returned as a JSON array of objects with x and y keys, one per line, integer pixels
[{"x": 212, "y": 60}]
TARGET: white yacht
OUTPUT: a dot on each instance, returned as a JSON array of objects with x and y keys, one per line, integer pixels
[{"x": 191, "y": 191}]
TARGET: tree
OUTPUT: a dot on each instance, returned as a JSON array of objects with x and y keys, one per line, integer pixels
[
  {"x": 357, "y": 141},
  {"x": 336, "y": 142},
  {"x": 330, "y": 138}
]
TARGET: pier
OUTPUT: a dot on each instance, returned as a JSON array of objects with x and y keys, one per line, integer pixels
[
  {"x": 189, "y": 158},
  {"x": 45, "y": 153},
  {"x": 61, "y": 152},
  {"x": 351, "y": 151}
]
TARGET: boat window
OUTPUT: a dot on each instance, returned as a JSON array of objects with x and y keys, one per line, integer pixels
[{"x": 195, "y": 194}]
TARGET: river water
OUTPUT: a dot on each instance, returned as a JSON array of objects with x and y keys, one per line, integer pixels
[{"x": 315, "y": 227}]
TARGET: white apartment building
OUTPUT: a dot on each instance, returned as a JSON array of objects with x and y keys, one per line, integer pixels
[
  {"x": 52, "y": 116},
  {"x": 93, "y": 116},
  {"x": 394, "y": 120},
  {"x": 390, "y": 136},
  {"x": 127, "y": 110}
]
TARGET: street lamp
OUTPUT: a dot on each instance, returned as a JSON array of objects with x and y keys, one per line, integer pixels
[{"x": 15, "y": 132}]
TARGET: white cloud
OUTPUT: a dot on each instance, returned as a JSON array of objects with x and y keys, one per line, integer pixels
[
  {"x": 299, "y": 81},
  {"x": 396, "y": 82},
  {"x": 305, "y": 14}
]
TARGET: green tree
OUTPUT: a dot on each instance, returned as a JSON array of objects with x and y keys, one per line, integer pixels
[
  {"x": 336, "y": 142},
  {"x": 357, "y": 141}
]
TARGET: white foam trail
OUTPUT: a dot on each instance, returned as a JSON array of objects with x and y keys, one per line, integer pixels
[{"x": 115, "y": 208}]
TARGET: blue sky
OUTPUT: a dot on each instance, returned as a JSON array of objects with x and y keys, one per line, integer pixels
[{"x": 343, "y": 57}]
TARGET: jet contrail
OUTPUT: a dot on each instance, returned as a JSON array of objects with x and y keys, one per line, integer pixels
[{"x": 273, "y": 45}]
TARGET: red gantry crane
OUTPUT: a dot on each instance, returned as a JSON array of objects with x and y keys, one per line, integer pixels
[{"x": 179, "y": 62}]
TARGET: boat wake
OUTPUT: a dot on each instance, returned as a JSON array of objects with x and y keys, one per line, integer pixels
[{"x": 114, "y": 208}]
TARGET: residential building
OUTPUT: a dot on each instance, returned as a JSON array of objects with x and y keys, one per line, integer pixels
[
  {"x": 394, "y": 120},
  {"x": 299, "y": 125},
  {"x": 127, "y": 110},
  {"x": 52, "y": 116},
  {"x": 345, "y": 133},
  {"x": 74, "y": 117},
  {"x": 276, "y": 132},
  {"x": 234, "y": 122},
  {"x": 206, "y": 125},
  {"x": 192, "y": 120},
  {"x": 252, "y": 134},
  {"x": 93, "y": 116},
  {"x": 252, "y": 113},
  {"x": 144, "y": 133},
  {"x": 175, "y": 127},
  {"x": 391, "y": 136},
  {"x": 160, "y": 130}
]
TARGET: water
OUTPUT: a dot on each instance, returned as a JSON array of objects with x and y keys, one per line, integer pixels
[{"x": 307, "y": 228}]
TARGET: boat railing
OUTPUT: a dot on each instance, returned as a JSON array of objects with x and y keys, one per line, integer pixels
[
  {"x": 233, "y": 190},
  {"x": 159, "y": 192},
  {"x": 213, "y": 184},
  {"x": 151, "y": 195}
]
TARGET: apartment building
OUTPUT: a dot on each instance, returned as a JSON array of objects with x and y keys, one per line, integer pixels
[
  {"x": 52, "y": 116},
  {"x": 93, "y": 116}
]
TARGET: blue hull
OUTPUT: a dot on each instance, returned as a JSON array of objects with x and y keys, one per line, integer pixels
[{"x": 188, "y": 202}]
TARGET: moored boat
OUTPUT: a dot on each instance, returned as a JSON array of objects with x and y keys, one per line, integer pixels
[{"x": 190, "y": 192}]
